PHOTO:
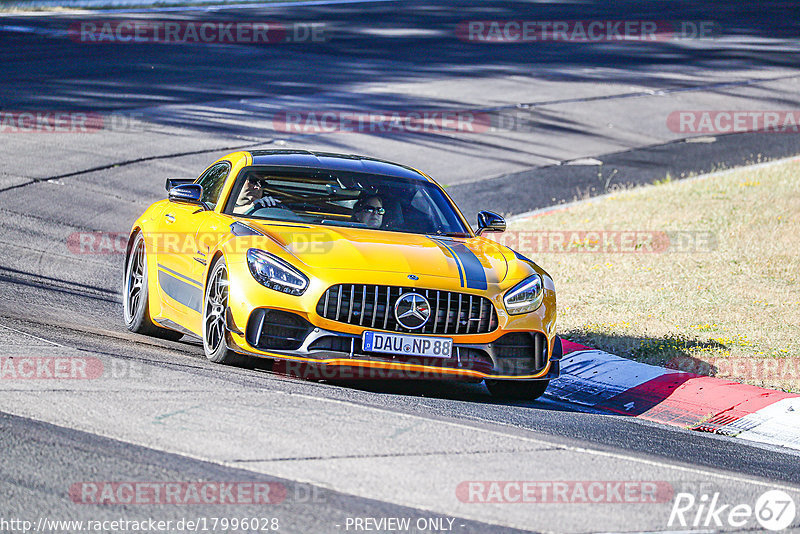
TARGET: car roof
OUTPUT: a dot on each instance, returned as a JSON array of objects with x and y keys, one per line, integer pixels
[{"x": 334, "y": 162}]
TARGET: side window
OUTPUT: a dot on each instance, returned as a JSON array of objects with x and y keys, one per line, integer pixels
[{"x": 212, "y": 181}]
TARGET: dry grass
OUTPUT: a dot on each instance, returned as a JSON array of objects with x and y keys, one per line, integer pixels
[{"x": 729, "y": 309}]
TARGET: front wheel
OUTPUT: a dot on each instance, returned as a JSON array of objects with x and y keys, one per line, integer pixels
[
  {"x": 517, "y": 390},
  {"x": 215, "y": 305},
  {"x": 135, "y": 295}
]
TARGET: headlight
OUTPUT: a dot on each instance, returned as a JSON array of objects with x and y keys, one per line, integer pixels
[
  {"x": 274, "y": 273},
  {"x": 526, "y": 296}
]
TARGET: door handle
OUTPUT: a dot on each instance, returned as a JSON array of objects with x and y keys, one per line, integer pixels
[{"x": 169, "y": 217}]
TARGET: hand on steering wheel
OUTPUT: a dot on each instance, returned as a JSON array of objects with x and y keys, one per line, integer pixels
[{"x": 264, "y": 202}]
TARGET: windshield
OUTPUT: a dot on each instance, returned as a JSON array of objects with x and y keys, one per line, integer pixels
[{"x": 344, "y": 199}]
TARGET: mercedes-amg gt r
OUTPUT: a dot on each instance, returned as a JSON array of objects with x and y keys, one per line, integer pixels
[{"x": 339, "y": 260}]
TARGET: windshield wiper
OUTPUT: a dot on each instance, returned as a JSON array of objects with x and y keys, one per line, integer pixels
[{"x": 451, "y": 234}]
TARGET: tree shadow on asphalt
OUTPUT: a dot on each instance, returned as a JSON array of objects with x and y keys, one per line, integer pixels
[
  {"x": 377, "y": 43},
  {"x": 452, "y": 390}
]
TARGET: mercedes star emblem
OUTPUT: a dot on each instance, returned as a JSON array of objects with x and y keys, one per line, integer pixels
[{"x": 412, "y": 311}]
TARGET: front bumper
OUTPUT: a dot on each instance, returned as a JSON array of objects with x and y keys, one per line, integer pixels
[{"x": 510, "y": 355}]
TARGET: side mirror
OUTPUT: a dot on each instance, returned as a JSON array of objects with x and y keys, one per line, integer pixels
[
  {"x": 190, "y": 193},
  {"x": 488, "y": 221},
  {"x": 172, "y": 182}
]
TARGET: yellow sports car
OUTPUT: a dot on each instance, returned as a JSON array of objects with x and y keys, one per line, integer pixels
[{"x": 338, "y": 260}]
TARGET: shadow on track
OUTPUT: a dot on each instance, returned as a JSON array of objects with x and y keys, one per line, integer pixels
[{"x": 387, "y": 42}]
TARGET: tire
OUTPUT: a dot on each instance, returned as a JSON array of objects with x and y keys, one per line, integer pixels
[
  {"x": 517, "y": 390},
  {"x": 136, "y": 293},
  {"x": 215, "y": 302}
]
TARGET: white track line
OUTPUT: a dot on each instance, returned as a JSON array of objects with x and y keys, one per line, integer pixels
[
  {"x": 540, "y": 441},
  {"x": 31, "y": 335}
]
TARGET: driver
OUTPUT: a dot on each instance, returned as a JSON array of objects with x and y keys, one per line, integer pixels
[
  {"x": 369, "y": 210},
  {"x": 252, "y": 197}
]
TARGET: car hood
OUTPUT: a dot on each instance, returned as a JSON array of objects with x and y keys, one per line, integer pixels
[{"x": 477, "y": 261}]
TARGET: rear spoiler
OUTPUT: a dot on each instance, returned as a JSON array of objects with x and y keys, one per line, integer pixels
[{"x": 172, "y": 182}]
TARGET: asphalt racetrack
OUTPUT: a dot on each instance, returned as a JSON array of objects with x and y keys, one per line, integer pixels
[{"x": 560, "y": 120}]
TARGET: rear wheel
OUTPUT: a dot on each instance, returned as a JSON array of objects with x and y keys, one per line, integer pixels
[
  {"x": 135, "y": 295},
  {"x": 517, "y": 390},
  {"x": 215, "y": 305}
]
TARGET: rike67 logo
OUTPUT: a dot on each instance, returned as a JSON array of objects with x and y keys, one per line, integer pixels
[{"x": 774, "y": 510}]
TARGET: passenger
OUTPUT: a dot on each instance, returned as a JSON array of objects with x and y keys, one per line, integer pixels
[{"x": 369, "y": 210}]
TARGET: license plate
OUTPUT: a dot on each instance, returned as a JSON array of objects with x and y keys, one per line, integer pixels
[{"x": 405, "y": 345}]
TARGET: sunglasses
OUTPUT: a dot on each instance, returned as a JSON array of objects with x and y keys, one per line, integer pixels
[{"x": 373, "y": 209}]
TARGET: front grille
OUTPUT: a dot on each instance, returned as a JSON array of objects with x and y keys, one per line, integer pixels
[
  {"x": 276, "y": 329},
  {"x": 372, "y": 306}
]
